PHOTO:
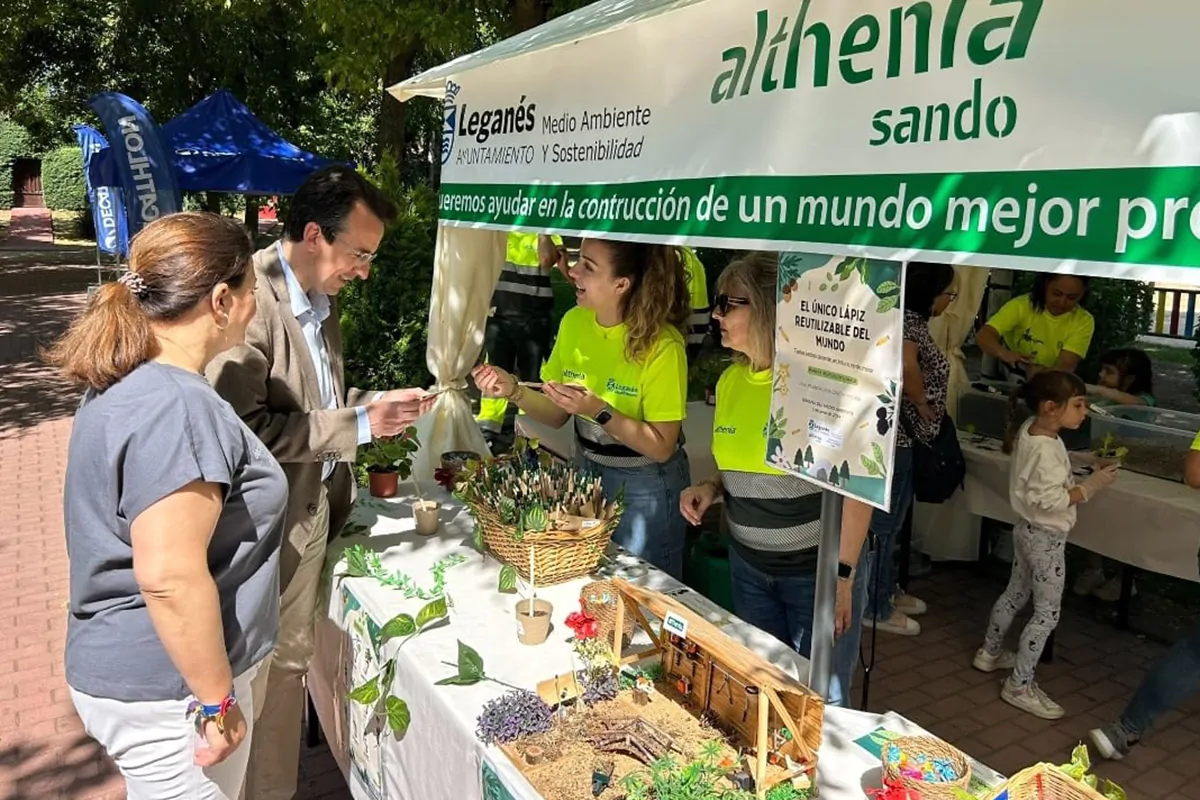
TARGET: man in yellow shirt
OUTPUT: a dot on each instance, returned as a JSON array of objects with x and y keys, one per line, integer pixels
[
  {"x": 519, "y": 330},
  {"x": 697, "y": 282}
]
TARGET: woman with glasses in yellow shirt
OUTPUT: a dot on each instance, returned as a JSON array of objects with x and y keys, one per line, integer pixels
[
  {"x": 618, "y": 369},
  {"x": 773, "y": 517}
]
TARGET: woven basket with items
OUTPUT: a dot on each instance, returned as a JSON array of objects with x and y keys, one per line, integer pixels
[
  {"x": 529, "y": 500},
  {"x": 927, "y": 766},
  {"x": 599, "y": 600},
  {"x": 1072, "y": 781}
]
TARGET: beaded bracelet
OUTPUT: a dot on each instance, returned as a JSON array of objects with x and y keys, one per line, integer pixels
[{"x": 215, "y": 713}]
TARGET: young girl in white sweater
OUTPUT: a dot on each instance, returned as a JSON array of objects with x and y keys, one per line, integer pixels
[{"x": 1043, "y": 493}]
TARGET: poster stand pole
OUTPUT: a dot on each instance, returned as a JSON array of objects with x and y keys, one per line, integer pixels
[{"x": 820, "y": 663}]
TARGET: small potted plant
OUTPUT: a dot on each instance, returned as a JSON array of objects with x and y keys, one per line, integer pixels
[{"x": 388, "y": 461}]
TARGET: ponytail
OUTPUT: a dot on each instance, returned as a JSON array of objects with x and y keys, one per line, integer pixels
[
  {"x": 174, "y": 263},
  {"x": 108, "y": 341}
]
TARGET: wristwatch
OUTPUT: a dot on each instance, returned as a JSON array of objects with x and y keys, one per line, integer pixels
[
  {"x": 604, "y": 416},
  {"x": 845, "y": 571}
]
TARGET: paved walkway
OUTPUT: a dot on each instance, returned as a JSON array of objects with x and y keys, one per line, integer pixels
[
  {"x": 45, "y": 755},
  {"x": 31, "y": 228}
]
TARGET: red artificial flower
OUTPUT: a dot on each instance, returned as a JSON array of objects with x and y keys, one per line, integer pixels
[
  {"x": 583, "y": 623},
  {"x": 893, "y": 790},
  {"x": 446, "y": 477}
]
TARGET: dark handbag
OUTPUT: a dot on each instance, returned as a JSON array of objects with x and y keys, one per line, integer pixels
[{"x": 938, "y": 467}]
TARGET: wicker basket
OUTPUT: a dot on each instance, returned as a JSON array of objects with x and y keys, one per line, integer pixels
[
  {"x": 1044, "y": 782},
  {"x": 599, "y": 599},
  {"x": 558, "y": 555},
  {"x": 931, "y": 748}
]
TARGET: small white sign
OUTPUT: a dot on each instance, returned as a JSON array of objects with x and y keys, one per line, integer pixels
[{"x": 675, "y": 624}]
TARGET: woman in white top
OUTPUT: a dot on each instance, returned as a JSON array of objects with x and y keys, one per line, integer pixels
[{"x": 1043, "y": 493}]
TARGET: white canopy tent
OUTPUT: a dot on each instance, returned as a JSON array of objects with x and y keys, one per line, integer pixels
[{"x": 1001, "y": 134}]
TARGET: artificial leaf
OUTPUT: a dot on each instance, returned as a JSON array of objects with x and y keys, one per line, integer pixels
[
  {"x": 470, "y": 664},
  {"x": 356, "y": 562},
  {"x": 508, "y": 579},
  {"x": 435, "y": 609},
  {"x": 478, "y": 542},
  {"x": 399, "y": 625},
  {"x": 389, "y": 674},
  {"x": 366, "y": 694},
  {"x": 398, "y": 715},
  {"x": 457, "y": 680}
]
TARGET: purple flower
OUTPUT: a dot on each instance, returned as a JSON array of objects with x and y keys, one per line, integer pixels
[{"x": 513, "y": 716}]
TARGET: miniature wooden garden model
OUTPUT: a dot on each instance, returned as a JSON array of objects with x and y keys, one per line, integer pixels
[{"x": 745, "y": 695}]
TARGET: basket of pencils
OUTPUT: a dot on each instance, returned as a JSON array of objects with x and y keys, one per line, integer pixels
[{"x": 539, "y": 514}]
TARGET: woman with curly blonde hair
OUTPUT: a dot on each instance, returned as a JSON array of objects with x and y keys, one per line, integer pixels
[{"x": 619, "y": 369}]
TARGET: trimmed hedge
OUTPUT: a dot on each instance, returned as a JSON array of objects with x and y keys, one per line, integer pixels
[
  {"x": 15, "y": 142},
  {"x": 62, "y": 179}
]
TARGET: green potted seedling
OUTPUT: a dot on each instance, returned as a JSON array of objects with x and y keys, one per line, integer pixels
[{"x": 388, "y": 461}]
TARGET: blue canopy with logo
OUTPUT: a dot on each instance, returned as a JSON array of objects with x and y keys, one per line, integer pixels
[{"x": 218, "y": 145}]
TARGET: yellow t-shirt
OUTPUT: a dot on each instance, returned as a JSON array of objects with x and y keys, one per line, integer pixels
[
  {"x": 697, "y": 280},
  {"x": 585, "y": 353},
  {"x": 1041, "y": 336},
  {"x": 522, "y": 248},
  {"x": 1196, "y": 442},
  {"x": 740, "y": 420}
]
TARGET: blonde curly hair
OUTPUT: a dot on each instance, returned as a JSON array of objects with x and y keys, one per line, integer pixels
[{"x": 658, "y": 293}]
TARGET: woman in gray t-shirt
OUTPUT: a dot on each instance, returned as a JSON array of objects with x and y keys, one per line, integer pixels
[{"x": 174, "y": 515}]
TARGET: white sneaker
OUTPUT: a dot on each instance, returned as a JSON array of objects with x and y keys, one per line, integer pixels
[
  {"x": 1110, "y": 592},
  {"x": 899, "y": 623},
  {"x": 986, "y": 662},
  {"x": 1088, "y": 581},
  {"x": 1031, "y": 699},
  {"x": 912, "y": 606}
]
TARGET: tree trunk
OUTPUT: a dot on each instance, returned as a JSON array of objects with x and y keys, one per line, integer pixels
[
  {"x": 528, "y": 14},
  {"x": 212, "y": 202},
  {"x": 391, "y": 110},
  {"x": 252, "y": 216}
]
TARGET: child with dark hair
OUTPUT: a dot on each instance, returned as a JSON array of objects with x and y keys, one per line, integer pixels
[
  {"x": 1126, "y": 379},
  {"x": 1043, "y": 493}
]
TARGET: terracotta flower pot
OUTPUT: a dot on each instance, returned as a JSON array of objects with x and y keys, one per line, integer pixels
[
  {"x": 426, "y": 513},
  {"x": 533, "y": 629},
  {"x": 383, "y": 484}
]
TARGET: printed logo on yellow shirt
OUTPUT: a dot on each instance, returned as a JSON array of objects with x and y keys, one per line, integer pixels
[
  {"x": 728, "y": 430},
  {"x": 572, "y": 375},
  {"x": 621, "y": 388}
]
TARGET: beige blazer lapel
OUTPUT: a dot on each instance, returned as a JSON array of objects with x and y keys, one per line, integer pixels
[
  {"x": 332, "y": 330},
  {"x": 298, "y": 363}
]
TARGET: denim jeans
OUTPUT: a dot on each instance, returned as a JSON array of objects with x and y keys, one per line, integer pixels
[
  {"x": 783, "y": 607},
  {"x": 1170, "y": 682},
  {"x": 651, "y": 527},
  {"x": 884, "y": 529}
]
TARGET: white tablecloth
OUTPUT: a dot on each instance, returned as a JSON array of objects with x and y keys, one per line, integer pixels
[
  {"x": 697, "y": 434},
  {"x": 443, "y": 717},
  {"x": 1148, "y": 522}
]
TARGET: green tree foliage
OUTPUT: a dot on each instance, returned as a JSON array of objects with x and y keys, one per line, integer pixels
[
  {"x": 15, "y": 142},
  {"x": 62, "y": 179}
]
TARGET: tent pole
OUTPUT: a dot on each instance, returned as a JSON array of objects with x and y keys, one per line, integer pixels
[{"x": 820, "y": 662}]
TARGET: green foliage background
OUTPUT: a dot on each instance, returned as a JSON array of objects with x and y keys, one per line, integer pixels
[
  {"x": 15, "y": 142},
  {"x": 62, "y": 179}
]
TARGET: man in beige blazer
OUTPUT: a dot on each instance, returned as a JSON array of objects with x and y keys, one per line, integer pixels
[{"x": 287, "y": 384}]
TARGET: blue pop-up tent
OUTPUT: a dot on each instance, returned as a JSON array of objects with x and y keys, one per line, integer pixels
[{"x": 218, "y": 145}]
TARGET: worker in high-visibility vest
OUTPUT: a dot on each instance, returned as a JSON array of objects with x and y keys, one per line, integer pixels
[
  {"x": 697, "y": 283},
  {"x": 521, "y": 325}
]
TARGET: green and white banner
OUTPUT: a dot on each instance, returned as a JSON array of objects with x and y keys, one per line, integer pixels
[
  {"x": 838, "y": 367},
  {"x": 1027, "y": 134}
]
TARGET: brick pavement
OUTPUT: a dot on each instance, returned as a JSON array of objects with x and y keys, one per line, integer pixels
[{"x": 45, "y": 755}]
